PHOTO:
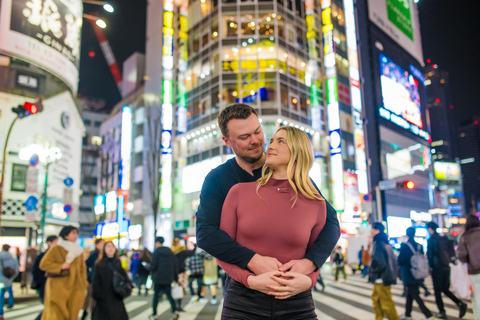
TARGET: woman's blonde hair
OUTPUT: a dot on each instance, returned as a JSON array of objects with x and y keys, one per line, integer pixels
[{"x": 301, "y": 161}]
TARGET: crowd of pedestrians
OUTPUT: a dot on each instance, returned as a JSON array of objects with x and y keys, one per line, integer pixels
[{"x": 262, "y": 221}]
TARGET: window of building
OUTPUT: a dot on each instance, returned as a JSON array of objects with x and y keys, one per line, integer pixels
[
  {"x": 197, "y": 107},
  {"x": 281, "y": 26},
  {"x": 196, "y": 42},
  {"x": 205, "y": 104},
  {"x": 300, "y": 37},
  {"x": 340, "y": 40},
  {"x": 303, "y": 104},
  {"x": 290, "y": 33},
  {"x": 230, "y": 93},
  {"x": 205, "y": 38},
  {"x": 215, "y": 98},
  {"x": 214, "y": 64},
  {"x": 96, "y": 140},
  {"x": 294, "y": 102},
  {"x": 284, "y": 96},
  {"x": 231, "y": 26},
  {"x": 19, "y": 177},
  {"x": 97, "y": 124},
  {"x": 214, "y": 30},
  {"x": 87, "y": 122},
  {"x": 248, "y": 24},
  {"x": 338, "y": 15},
  {"x": 266, "y": 25}
]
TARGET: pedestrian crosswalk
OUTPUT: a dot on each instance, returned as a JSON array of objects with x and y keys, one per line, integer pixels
[{"x": 339, "y": 301}]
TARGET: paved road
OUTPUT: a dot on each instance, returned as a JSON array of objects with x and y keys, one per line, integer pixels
[{"x": 340, "y": 301}]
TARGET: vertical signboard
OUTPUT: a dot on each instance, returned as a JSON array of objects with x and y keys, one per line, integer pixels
[
  {"x": 333, "y": 112},
  {"x": 45, "y": 33},
  {"x": 356, "y": 97},
  {"x": 182, "y": 68},
  {"x": 167, "y": 106}
]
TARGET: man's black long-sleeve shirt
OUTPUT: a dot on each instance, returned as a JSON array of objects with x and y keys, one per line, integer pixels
[{"x": 219, "y": 244}]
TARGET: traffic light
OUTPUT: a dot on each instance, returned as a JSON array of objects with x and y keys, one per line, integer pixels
[
  {"x": 28, "y": 108},
  {"x": 406, "y": 185}
]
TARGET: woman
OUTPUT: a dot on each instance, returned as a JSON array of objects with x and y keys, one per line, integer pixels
[
  {"x": 469, "y": 252},
  {"x": 143, "y": 271},
  {"x": 64, "y": 290},
  {"x": 108, "y": 306},
  {"x": 279, "y": 216}
]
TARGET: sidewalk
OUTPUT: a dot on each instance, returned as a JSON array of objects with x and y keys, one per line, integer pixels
[{"x": 25, "y": 294}]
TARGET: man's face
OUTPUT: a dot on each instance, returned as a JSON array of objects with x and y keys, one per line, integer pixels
[
  {"x": 431, "y": 231},
  {"x": 245, "y": 137},
  {"x": 374, "y": 232}
]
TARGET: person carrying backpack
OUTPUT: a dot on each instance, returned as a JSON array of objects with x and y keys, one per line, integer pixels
[
  {"x": 414, "y": 268},
  {"x": 382, "y": 273},
  {"x": 440, "y": 254}
]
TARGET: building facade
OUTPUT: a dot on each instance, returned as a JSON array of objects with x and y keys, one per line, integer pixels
[
  {"x": 468, "y": 139},
  {"x": 40, "y": 63}
]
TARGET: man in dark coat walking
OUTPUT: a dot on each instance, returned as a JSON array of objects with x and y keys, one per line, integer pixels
[
  {"x": 382, "y": 273},
  {"x": 412, "y": 285},
  {"x": 38, "y": 275},
  {"x": 439, "y": 258},
  {"x": 164, "y": 271}
]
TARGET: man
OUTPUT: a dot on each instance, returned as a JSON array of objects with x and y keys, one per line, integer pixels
[
  {"x": 339, "y": 262},
  {"x": 38, "y": 275},
  {"x": 9, "y": 271},
  {"x": 164, "y": 272},
  {"x": 382, "y": 273},
  {"x": 440, "y": 253},
  {"x": 242, "y": 132},
  {"x": 412, "y": 285},
  {"x": 360, "y": 254}
]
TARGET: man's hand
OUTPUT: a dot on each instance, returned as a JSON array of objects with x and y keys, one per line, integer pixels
[
  {"x": 261, "y": 282},
  {"x": 260, "y": 264},
  {"x": 303, "y": 266},
  {"x": 289, "y": 285},
  {"x": 65, "y": 265}
]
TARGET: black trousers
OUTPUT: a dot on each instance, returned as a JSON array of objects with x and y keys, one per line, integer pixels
[
  {"x": 242, "y": 303},
  {"x": 413, "y": 293},
  {"x": 441, "y": 283},
  {"x": 159, "y": 290}
]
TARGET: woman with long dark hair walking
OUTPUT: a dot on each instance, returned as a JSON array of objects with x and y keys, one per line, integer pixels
[{"x": 109, "y": 305}]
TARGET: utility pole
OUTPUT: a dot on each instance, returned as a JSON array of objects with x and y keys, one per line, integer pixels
[
  {"x": 2, "y": 182},
  {"x": 44, "y": 205}
]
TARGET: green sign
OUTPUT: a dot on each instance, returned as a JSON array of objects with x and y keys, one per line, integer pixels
[
  {"x": 400, "y": 14},
  {"x": 332, "y": 94},
  {"x": 182, "y": 224}
]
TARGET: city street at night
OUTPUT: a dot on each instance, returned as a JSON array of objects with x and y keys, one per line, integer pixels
[{"x": 339, "y": 301}]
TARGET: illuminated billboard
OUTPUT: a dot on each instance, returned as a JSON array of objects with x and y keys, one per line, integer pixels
[
  {"x": 447, "y": 171},
  {"x": 45, "y": 33},
  {"x": 400, "y": 92},
  {"x": 399, "y": 20}
]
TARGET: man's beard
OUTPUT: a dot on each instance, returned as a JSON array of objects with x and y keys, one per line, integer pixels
[{"x": 253, "y": 159}]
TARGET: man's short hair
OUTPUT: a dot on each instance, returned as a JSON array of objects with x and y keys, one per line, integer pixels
[
  {"x": 432, "y": 225},
  {"x": 160, "y": 240},
  {"x": 235, "y": 111},
  {"x": 51, "y": 238},
  {"x": 378, "y": 226},
  {"x": 5, "y": 247},
  {"x": 66, "y": 231},
  {"x": 411, "y": 232}
]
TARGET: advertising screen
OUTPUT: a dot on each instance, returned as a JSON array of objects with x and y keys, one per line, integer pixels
[
  {"x": 447, "y": 171},
  {"x": 400, "y": 92},
  {"x": 45, "y": 33},
  {"x": 397, "y": 226}
]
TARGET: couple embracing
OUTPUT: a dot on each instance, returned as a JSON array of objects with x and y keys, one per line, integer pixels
[{"x": 265, "y": 221}]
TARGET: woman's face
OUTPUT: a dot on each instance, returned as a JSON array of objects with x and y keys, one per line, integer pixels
[
  {"x": 278, "y": 153},
  {"x": 72, "y": 236},
  {"x": 110, "y": 250},
  {"x": 100, "y": 245}
]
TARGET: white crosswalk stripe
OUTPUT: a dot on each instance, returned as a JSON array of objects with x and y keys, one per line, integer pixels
[{"x": 340, "y": 301}]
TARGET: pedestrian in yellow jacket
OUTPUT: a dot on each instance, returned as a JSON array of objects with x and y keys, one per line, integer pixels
[{"x": 64, "y": 295}]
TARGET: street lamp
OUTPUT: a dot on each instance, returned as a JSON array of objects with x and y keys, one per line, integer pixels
[
  {"x": 106, "y": 6},
  {"x": 47, "y": 155},
  {"x": 98, "y": 21}
]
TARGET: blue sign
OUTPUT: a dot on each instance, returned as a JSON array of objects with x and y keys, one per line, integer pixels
[
  {"x": 34, "y": 160},
  {"x": 67, "y": 208},
  {"x": 68, "y": 182},
  {"x": 31, "y": 203}
]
